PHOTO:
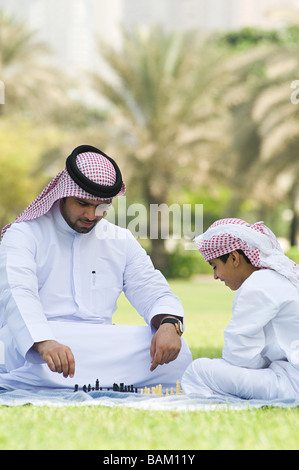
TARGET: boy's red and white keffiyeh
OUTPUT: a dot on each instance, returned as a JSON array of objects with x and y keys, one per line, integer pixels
[
  {"x": 95, "y": 166},
  {"x": 257, "y": 242}
]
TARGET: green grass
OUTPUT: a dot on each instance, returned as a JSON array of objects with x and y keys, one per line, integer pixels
[
  {"x": 89, "y": 428},
  {"x": 208, "y": 306}
]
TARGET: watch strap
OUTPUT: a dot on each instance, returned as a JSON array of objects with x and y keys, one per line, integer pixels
[{"x": 174, "y": 321}]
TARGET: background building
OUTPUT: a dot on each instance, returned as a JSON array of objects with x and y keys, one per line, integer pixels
[{"x": 72, "y": 27}]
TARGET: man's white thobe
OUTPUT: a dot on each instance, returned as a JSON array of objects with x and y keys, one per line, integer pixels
[
  {"x": 260, "y": 357},
  {"x": 58, "y": 284}
]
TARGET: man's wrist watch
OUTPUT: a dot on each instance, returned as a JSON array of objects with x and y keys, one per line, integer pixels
[{"x": 176, "y": 322}]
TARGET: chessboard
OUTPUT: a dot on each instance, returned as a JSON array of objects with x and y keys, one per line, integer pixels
[{"x": 121, "y": 387}]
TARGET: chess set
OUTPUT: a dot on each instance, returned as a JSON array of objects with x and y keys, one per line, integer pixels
[{"x": 154, "y": 390}]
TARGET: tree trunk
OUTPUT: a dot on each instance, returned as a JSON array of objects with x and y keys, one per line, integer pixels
[
  {"x": 294, "y": 198},
  {"x": 158, "y": 253},
  {"x": 294, "y": 229}
]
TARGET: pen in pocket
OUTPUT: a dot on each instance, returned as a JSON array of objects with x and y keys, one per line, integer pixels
[{"x": 93, "y": 279}]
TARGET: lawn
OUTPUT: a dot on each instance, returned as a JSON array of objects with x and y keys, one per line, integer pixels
[{"x": 207, "y": 305}]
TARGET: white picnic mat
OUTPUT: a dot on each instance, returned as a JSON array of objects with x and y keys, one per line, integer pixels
[{"x": 66, "y": 397}]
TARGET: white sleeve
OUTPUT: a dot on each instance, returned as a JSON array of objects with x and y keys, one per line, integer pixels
[
  {"x": 244, "y": 338},
  {"x": 145, "y": 287},
  {"x": 21, "y": 313}
]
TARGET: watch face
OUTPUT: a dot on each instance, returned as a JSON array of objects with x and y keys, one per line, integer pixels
[{"x": 179, "y": 327}]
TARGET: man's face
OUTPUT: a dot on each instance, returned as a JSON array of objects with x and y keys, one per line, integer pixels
[{"x": 82, "y": 215}]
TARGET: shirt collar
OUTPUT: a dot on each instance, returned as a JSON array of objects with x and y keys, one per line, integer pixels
[{"x": 59, "y": 220}]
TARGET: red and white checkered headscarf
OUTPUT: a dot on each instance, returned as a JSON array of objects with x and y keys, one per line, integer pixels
[
  {"x": 257, "y": 242},
  {"x": 94, "y": 166}
]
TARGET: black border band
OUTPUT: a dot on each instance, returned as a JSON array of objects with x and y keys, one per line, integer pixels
[{"x": 90, "y": 186}]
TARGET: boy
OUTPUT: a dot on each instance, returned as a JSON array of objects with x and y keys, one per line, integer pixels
[{"x": 260, "y": 358}]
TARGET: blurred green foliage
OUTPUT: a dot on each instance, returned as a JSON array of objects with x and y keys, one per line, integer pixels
[
  {"x": 185, "y": 263},
  {"x": 293, "y": 253},
  {"x": 249, "y": 37},
  {"x": 190, "y": 120}
]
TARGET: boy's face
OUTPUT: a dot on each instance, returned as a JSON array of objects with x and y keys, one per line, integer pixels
[{"x": 228, "y": 272}]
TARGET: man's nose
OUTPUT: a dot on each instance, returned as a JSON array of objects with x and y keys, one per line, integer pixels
[{"x": 90, "y": 213}]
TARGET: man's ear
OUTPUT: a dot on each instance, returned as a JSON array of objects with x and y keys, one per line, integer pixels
[{"x": 235, "y": 257}]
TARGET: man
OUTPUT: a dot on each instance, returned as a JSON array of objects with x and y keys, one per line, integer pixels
[{"x": 63, "y": 267}]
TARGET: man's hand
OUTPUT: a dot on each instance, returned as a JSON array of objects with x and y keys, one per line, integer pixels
[
  {"x": 165, "y": 346},
  {"x": 58, "y": 357}
]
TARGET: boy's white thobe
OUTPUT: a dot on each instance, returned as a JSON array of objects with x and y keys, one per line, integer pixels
[
  {"x": 55, "y": 280},
  {"x": 260, "y": 357}
]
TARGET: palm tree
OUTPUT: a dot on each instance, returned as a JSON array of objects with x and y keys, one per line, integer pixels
[
  {"x": 264, "y": 146},
  {"x": 32, "y": 145},
  {"x": 32, "y": 85},
  {"x": 162, "y": 97}
]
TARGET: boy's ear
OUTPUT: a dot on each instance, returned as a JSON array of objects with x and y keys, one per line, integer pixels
[{"x": 235, "y": 257}]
